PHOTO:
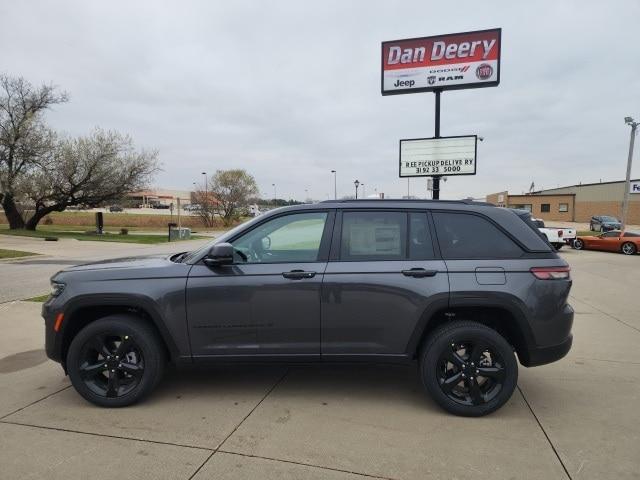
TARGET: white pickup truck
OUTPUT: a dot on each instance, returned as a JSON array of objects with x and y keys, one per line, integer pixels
[{"x": 556, "y": 236}]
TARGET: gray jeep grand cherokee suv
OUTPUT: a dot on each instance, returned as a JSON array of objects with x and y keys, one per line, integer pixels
[{"x": 459, "y": 287}]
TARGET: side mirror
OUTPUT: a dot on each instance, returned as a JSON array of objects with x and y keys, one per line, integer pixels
[{"x": 220, "y": 254}]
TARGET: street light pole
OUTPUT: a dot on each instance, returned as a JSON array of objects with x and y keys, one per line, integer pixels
[
  {"x": 357, "y": 184},
  {"x": 335, "y": 184},
  {"x": 275, "y": 196},
  {"x": 205, "y": 187},
  {"x": 627, "y": 183},
  {"x": 364, "y": 191}
]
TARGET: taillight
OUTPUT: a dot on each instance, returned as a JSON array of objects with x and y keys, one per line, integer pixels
[
  {"x": 559, "y": 233},
  {"x": 551, "y": 273}
]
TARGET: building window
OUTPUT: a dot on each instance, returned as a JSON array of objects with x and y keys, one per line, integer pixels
[
  {"x": 545, "y": 207},
  {"x": 563, "y": 207}
]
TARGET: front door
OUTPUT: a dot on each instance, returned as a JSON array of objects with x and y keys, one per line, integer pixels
[
  {"x": 382, "y": 279},
  {"x": 268, "y": 301}
]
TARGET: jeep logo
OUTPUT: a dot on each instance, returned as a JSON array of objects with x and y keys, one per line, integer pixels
[{"x": 404, "y": 83}]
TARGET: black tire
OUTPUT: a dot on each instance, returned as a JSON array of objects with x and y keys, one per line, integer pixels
[
  {"x": 578, "y": 244},
  {"x": 558, "y": 246},
  {"x": 628, "y": 248},
  {"x": 116, "y": 361},
  {"x": 496, "y": 359},
  {"x": 591, "y": 227}
]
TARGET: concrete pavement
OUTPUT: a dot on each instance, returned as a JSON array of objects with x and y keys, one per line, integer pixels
[{"x": 577, "y": 418}]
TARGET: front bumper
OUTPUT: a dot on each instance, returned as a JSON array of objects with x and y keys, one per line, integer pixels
[{"x": 52, "y": 341}]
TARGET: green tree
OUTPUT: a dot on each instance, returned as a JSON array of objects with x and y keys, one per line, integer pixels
[{"x": 231, "y": 190}]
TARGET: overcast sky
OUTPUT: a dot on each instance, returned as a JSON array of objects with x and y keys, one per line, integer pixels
[{"x": 291, "y": 90}]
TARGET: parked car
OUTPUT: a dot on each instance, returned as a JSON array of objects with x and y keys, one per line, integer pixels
[
  {"x": 192, "y": 207},
  {"x": 614, "y": 241},
  {"x": 461, "y": 288},
  {"x": 116, "y": 208},
  {"x": 604, "y": 223},
  {"x": 556, "y": 236}
]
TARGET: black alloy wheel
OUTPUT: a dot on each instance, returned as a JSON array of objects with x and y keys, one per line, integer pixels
[
  {"x": 115, "y": 361},
  {"x": 111, "y": 365},
  {"x": 470, "y": 372},
  {"x": 468, "y": 368}
]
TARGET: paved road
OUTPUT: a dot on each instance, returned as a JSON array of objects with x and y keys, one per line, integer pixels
[
  {"x": 576, "y": 419},
  {"x": 20, "y": 279}
]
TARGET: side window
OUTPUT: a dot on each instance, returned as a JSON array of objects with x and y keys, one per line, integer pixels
[
  {"x": 373, "y": 236},
  {"x": 611, "y": 235},
  {"x": 467, "y": 236},
  {"x": 420, "y": 244},
  {"x": 290, "y": 238}
]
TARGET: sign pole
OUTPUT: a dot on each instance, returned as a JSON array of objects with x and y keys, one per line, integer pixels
[{"x": 436, "y": 178}]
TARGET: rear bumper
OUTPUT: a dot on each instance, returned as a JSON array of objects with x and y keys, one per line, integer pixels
[
  {"x": 543, "y": 355},
  {"x": 558, "y": 341}
]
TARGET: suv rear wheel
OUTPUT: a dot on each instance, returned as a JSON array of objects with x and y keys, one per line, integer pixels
[
  {"x": 468, "y": 368},
  {"x": 115, "y": 361}
]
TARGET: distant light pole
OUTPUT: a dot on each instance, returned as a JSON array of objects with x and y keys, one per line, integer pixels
[
  {"x": 627, "y": 183},
  {"x": 335, "y": 184},
  {"x": 205, "y": 187},
  {"x": 306, "y": 195},
  {"x": 357, "y": 184},
  {"x": 275, "y": 196},
  {"x": 364, "y": 191}
]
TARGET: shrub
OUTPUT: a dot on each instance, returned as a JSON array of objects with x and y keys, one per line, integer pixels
[{"x": 124, "y": 231}]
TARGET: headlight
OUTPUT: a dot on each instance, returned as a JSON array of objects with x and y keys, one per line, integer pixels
[{"x": 56, "y": 288}]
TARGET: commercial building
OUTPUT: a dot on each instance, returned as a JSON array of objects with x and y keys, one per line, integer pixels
[
  {"x": 575, "y": 203},
  {"x": 160, "y": 196}
]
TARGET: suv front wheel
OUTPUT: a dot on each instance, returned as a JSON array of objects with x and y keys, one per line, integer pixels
[
  {"x": 468, "y": 368},
  {"x": 115, "y": 361}
]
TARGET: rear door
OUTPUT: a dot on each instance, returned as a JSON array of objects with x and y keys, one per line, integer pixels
[{"x": 383, "y": 277}]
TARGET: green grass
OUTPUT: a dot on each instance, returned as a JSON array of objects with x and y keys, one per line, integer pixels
[
  {"x": 82, "y": 235},
  {"x": 14, "y": 253},
  {"x": 39, "y": 298}
]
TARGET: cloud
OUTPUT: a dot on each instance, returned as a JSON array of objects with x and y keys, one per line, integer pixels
[{"x": 290, "y": 90}]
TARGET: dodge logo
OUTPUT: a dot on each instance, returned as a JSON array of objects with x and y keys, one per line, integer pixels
[
  {"x": 431, "y": 79},
  {"x": 484, "y": 71}
]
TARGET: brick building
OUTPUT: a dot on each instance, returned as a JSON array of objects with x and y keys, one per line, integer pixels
[{"x": 574, "y": 203}]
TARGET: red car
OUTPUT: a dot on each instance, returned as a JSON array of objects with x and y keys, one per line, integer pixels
[{"x": 614, "y": 241}]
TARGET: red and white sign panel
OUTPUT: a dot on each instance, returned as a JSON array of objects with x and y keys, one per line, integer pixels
[{"x": 443, "y": 62}]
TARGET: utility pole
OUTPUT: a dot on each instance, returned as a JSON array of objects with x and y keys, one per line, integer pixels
[
  {"x": 627, "y": 183},
  {"x": 436, "y": 178},
  {"x": 335, "y": 184}
]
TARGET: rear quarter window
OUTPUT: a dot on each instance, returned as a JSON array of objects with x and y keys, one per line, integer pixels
[{"x": 468, "y": 236}]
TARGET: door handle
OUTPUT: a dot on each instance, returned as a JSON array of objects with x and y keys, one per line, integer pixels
[
  {"x": 298, "y": 274},
  {"x": 419, "y": 273}
]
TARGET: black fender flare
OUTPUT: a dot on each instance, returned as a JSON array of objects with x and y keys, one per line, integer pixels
[{"x": 131, "y": 300}]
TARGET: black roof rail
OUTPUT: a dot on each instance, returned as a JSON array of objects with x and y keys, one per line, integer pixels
[{"x": 408, "y": 200}]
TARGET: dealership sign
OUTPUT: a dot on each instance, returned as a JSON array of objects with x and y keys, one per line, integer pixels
[
  {"x": 443, "y": 62},
  {"x": 422, "y": 157},
  {"x": 634, "y": 187}
]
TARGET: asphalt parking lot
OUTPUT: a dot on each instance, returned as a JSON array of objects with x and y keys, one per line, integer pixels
[{"x": 578, "y": 418}]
